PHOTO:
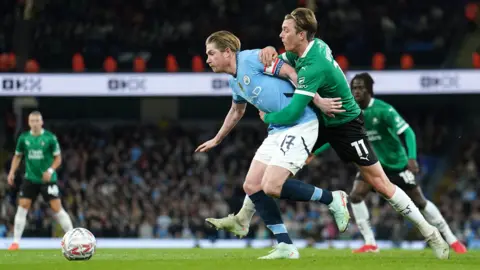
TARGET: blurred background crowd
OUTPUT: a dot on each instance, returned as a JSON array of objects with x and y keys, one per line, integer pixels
[
  {"x": 130, "y": 180},
  {"x": 143, "y": 180},
  {"x": 111, "y": 35}
]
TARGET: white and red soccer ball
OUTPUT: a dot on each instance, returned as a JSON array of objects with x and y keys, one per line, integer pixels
[{"x": 78, "y": 244}]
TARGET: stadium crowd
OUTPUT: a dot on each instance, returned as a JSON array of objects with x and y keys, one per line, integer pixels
[
  {"x": 357, "y": 29},
  {"x": 144, "y": 181}
]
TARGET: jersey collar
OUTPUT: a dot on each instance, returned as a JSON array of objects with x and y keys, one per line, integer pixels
[
  {"x": 371, "y": 102},
  {"x": 236, "y": 64},
  {"x": 41, "y": 131},
  {"x": 308, "y": 48}
]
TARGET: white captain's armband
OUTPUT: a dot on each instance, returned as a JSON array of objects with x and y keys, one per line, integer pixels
[{"x": 274, "y": 68}]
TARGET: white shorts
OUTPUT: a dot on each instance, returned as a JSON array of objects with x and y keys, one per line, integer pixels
[{"x": 289, "y": 148}]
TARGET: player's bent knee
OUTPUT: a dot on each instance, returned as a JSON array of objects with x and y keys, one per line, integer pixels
[
  {"x": 271, "y": 188},
  {"x": 25, "y": 203},
  {"x": 250, "y": 188},
  {"x": 56, "y": 205},
  {"x": 376, "y": 177},
  {"x": 418, "y": 200},
  {"x": 382, "y": 185}
]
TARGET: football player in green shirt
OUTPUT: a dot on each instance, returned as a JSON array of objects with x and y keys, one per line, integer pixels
[
  {"x": 389, "y": 133},
  {"x": 41, "y": 152},
  {"x": 318, "y": 72}
]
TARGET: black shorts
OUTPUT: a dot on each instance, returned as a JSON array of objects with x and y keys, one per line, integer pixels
[
  {"x": 403, "y": 178},
  {"x": 350, "y": 141},
  {"x": 29, "y": 190}
]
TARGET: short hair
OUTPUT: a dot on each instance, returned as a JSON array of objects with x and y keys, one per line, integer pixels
[
  {"x": 367, "y": 80},
  {"x": 36, "y": 113},
  {"x": 223, "y": 40},
  {"x": 304, "y": 21}
]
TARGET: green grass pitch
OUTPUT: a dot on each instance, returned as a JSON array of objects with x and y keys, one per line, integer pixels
[{"x": 233, "y": 259}]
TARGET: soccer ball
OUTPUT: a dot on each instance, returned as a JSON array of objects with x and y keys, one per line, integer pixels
[{"x": 78, "y": 244}]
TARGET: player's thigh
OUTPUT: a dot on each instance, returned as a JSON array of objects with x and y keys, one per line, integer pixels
[
  {"x": 294, "y": 146},
  {"x": 273, "y": 179},
  {"x": 360, "y": 189},
  {"x": 267, "y": 149},
  {"x": 351, "y": 143},
  {"x": 50, "y": 192},
  {"x": 28, "y": 193},
  {"x": 253, "y": 180}
]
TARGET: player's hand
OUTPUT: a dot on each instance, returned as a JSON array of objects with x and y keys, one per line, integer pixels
[
  {"x": 46, "y": 177},
  {"x": 206, "y": 146},
  {"x": 11, "y": 179},
  {"x": 329, "y": 106},
  {"x": 262, "y": 115},
  {"x": 413, "y": 166},
  {"x": 267, "y": 55}
]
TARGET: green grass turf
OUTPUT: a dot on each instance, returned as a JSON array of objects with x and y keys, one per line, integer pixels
[{"x": 233, "y": 259}]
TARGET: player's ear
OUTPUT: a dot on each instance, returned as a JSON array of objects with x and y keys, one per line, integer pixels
[{"x": 227, "y": 50}]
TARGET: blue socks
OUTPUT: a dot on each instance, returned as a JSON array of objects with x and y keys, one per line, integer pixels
[
  {"x": 296, "y": 190},
  {"x": 268, "y": 210}
]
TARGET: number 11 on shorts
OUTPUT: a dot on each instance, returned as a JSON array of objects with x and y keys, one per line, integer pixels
[{"x": 359, "y": 146}]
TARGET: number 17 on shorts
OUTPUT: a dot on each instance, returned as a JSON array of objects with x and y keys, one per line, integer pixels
[{"x": 294, "y": 146}]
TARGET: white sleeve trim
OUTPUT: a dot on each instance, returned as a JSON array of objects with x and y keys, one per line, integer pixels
[
  {"x": 18, "y": 153},
  {"x": 305, "y": 93},
  {"x": 57, "y": 153},
  {"x": 402, "y": 129},
  {"x": 285, "y": 58}
]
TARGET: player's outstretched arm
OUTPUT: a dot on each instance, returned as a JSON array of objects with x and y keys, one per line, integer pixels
[
  {"x": 309, "y": 80},
  {"x": 329, "y": 106},
  {"x": 292, "y": 112},
  {"x": 234, "y": 115}
]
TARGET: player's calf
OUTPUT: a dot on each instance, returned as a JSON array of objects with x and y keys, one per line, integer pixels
[
  {"x": 270, "y": 213},
  {"x": 376, "y": 177},
  {"x": 417, "y": 197},
  {"x": 61, "y": 215}
]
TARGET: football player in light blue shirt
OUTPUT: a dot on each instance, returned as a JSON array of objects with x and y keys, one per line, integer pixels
[{"x": 282, "y": 153}]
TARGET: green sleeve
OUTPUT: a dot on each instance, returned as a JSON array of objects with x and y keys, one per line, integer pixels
[
  {"x": 291, "y": 113},
  {"x": 289, "y": 58},
  {"x": 308, "y": 82},
  {"x": 55, "y": 146},
  {"x": 411, "y": 142},
  {"x": 20, "y": 149},
  {"x": 394, "y": 121},
  {"x": 322, "y": 149}
]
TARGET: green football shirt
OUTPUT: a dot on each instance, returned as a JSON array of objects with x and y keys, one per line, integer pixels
[
  {"x": 38, "y": 152},
  {"x": 319, "y": 72},
  {"x": 383, "y": 125}
]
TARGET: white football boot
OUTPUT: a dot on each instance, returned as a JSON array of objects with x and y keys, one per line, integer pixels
[
  {"x": 230, "y": 224},
  {"x": 282, "y": 251},
  {"x": 338, "y": 208},
  {"x": 439, "y": 246}
]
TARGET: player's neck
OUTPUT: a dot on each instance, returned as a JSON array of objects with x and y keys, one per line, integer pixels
[
  {"x": 302, "y": 48},
  {"x": 366, "y": 103},
  {"x": 232, "y": 67},
  {"x": 36, "y": 133}
]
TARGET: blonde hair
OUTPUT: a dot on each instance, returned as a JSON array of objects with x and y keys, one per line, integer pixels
[
  {"x": 224, "y": 40},
  {"x": 304, "y": 21}
]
